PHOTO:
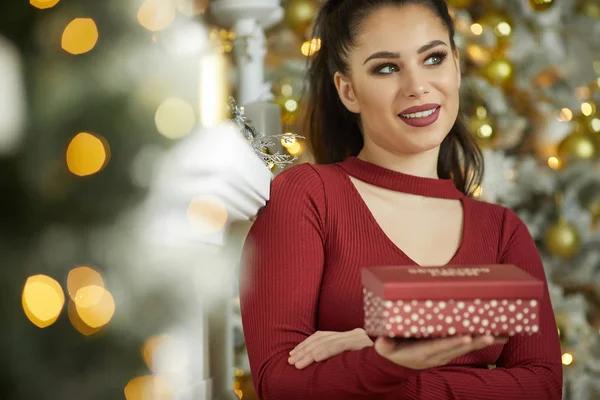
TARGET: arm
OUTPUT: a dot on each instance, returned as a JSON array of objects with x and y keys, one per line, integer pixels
[
  {"x": 284, "y": 254},
  {"x": 529, "y": 366}
]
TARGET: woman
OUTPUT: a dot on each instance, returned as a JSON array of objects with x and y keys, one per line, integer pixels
[{"x": 391, "y": 187}]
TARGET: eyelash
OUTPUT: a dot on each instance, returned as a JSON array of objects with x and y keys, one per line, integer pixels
[{"x": 442, "y": 55}]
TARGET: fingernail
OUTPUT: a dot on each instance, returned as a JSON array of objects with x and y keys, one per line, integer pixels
[{"x": 291, "y": 360}]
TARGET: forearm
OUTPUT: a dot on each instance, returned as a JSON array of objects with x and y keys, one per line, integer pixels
[
  {"x": 357, "y": 375},
  {"x": 465, "y": 383}
]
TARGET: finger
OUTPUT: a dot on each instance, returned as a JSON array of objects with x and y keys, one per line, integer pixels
[
  {"x": 437, "y": 347},
  {"x": 304, "y": 362},
  {"x": 316, "y": 347},
  {"x": 324, "y": 348},
  {"x": 476, "y": 344},
  {"x": 306, "y": 342}
]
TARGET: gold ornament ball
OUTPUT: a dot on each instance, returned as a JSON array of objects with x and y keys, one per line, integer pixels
[
  {"x": 562, "y": 240},
  {"x": 541, "y": 5},
  {"x": 459, "y": 3},
  {"x": 577, "y": 146},
  {"x": 499, "y": 71},
  {"x": 300, "y": 14}
]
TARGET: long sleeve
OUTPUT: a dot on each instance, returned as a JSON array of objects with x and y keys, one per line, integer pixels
[
  {"x": 279, "y": 291},
  {"x": 529, "y": 366}
]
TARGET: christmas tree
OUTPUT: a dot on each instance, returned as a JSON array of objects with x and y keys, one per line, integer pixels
[{"x": 110, "y": 86}]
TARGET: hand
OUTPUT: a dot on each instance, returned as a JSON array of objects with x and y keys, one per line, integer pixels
[
  {"x": 323, "y": 345},
  {"x": 423, "y": 354}
]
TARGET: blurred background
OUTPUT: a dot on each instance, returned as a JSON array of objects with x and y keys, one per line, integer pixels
[{"x": 94, "y": 94}]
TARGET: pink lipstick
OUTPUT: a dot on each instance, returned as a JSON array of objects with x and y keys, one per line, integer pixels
[{"x": 421, "y": 115}]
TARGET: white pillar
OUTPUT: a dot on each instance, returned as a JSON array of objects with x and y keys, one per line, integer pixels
[{"x": 249, "y": 19}]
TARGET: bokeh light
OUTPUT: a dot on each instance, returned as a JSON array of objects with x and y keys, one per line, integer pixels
[
  {"x": 156, "y": 15},
  {"x": 310, "y": 47},
  {"x": 207, "y": 214},
  {"x": 81, "y": 277},
  {"x": 43, "y": 4},
  {"x": 565, "y": 115},
  {"x": 554, "y": 162},
  {"x": 43, "y": 300},
  {"x": 567, "y": 359},
  {"x": 102, "y": 309},
  {"x": 149, "y": 349},
  {"x": 175, "y": 118},
  {"x": 77, "y": 323},
  {"x": 148, "y": 387},
  {"x": 80, "y": 36},
  {"x": 87, "y": 154}
]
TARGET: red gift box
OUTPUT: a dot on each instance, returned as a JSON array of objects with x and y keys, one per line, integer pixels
[{"x": 418, "y": 302}]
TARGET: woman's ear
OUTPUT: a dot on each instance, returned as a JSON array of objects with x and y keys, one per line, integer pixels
[{"x": 346, "y": 93}]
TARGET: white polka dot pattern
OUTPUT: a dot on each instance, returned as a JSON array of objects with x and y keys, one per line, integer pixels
[{"x": 429, "y": 318}]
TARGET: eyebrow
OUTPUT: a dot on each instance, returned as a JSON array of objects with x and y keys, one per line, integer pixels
[{"x": 389, "y": 54}]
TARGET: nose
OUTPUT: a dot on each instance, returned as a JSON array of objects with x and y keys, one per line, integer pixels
[{"x": 415, "y": 85}]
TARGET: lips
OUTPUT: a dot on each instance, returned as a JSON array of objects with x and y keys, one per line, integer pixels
[
  {"x": 421, "y": 115},
  {"x": 419, "y": 108}
]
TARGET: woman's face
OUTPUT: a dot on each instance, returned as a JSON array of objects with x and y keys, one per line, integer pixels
[{"x": 404, "y": 80}]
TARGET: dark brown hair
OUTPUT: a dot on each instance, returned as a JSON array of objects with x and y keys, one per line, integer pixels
[{"x": 334, "y": 132}]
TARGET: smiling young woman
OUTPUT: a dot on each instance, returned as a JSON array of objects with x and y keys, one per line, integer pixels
[{"x": 391, "y": 186}]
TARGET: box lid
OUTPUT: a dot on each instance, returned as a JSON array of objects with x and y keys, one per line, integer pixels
[{"x": 499, "y": 281}]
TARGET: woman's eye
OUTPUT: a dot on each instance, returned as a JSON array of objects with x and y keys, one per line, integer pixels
[
  {"x": 387, "y": 69},
  {"x": 435, "y": 59}
]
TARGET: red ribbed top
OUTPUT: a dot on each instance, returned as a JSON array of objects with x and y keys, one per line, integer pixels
[{"x": 303, "y": 259}]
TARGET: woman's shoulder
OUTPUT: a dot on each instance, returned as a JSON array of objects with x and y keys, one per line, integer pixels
[
  {"x": 484, "y": 212},
  {"x": 305, "y": 177}
]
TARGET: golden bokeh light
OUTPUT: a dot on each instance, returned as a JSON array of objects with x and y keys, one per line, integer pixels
[
  {"x": 207, "y": 214},
  {"x": 77, "y": 322},
  {"x": 565, "y": 115},
  {"x": 554, "y": 162},
  {"x": 291, "y": 105},
  {"x": 102, "y": 310},
  {"x": 87, "y": 154},
  {"x": 89, "y": 296},
  {"x": 310, "y": 47},
  {"x": 148, "y": 387},
  {"x": 294, "y": 149},
  {"x": 80, "y": 36},
  {"x": 43, "y": 300},
  {"x": 476, "y": 29},
  {"x": 43, "y": 4},
  {"x": 149, "y": 349},
  {"x": 175, "y": 118},
  {"x": 567, "y": 359},
  {"x": 81, "y": 277},
  {"x": 156, "y": 15},
  {"x": 588, "y": 108}
]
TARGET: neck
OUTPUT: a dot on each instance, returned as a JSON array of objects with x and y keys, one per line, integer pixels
[{"x": 423, "y": 164}]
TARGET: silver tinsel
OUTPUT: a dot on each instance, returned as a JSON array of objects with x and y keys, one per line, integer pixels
[{"x": 259, "y": 141}]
